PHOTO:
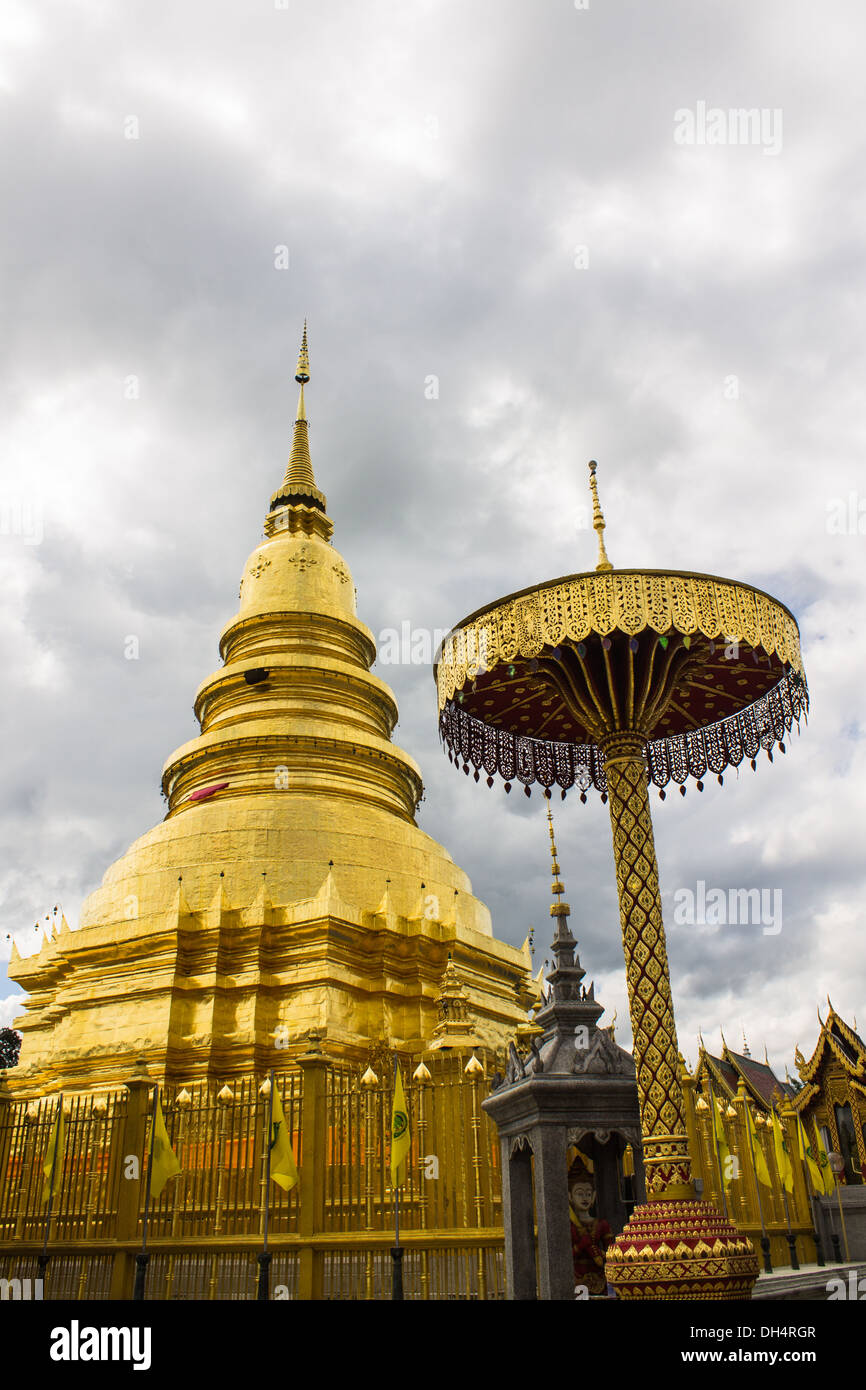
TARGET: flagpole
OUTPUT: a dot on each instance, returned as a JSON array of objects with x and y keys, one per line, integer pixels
[
  {"x": 264, "y": 1292},
  {"x": 714, "y": 1116},
  {"x": 765, "y": 1239},
  {"x": 837, "y": 1169},
  {"x": 143, "y": 1258},
  {"x": 791, "y": 1238},
  {"x": 819, "y": 1149},
  {"x": 842, "y": 1219},
  {"x": 42, "y": 1260},
  {"x": 810, "y": 1192},
  {"x": 397, "y": 1252}
]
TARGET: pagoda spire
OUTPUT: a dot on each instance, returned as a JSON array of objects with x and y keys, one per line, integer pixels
[
  {"x": 298, "y": 487},
  {"x": 598, "y": 519},
  {"x": 563, "y": 943},
  {"x": 569, "y": 1004}
]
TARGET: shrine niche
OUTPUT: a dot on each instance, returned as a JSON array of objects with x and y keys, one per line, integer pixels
[{"x": 571, "y": 1097}]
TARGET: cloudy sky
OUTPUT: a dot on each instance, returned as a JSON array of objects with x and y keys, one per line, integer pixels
[{"x": 501, "y": 196}]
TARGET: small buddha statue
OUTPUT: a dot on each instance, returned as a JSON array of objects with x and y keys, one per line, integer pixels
[{"x": 590, "y": 1235}]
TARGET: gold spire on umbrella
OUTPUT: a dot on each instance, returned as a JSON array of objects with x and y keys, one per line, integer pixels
[{"x": 598, "y": 519}]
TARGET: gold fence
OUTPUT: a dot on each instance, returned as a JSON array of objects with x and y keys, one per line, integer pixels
[
  {"x": 752, "y": 1206},
  {"x": 332, "y": 1235}
]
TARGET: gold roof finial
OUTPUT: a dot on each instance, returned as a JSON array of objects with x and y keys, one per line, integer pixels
[
  {"x": 598, "y": 519},
  {"x": 302, "y": 373},
  {"x": 299, "y": 484},
  {"x": 559, "y": 908}
]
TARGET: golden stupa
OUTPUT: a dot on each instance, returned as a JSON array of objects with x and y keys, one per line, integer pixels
[{"x": 288, "y": 888}]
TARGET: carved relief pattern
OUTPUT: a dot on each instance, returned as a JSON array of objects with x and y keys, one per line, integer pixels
[
  {"x": 303, "y": 558},
  {"x": 603, "y": 602},
  {"x": 666, "y": 1155}
]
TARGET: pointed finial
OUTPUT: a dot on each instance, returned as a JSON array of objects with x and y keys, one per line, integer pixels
[
  {"x": 302, "y": 373},
  {"x": 746, "y": 1052},
  {"x": 598, "y": 519},
  {"x": 299, "y": 484},
  {"x": 563, "y": 943}
]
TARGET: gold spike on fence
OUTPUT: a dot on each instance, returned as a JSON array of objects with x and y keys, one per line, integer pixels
[{"x": 330, "y": 1237}]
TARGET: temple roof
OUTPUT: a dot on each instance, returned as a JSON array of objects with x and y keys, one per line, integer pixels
[
  {"x": 836, "y": 1040},
  {"x": 728, "y": 1070},
  {"x": 759, "y": 1077}
]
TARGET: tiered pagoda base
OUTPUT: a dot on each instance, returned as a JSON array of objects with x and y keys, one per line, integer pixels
[{"x": 681, "y": 1250}]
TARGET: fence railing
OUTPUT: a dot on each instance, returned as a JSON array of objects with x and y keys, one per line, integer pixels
[{"x": 331, "y": 1235}]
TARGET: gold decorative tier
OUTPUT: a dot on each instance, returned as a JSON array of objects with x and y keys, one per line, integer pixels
[
  {"x": 628, "y": 601},
  {"x": 681, "y": 1250},
  {"x": 707, "y": 671}
]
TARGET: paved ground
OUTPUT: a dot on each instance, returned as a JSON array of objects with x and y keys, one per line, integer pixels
[{"x": 813, "y": 1282}]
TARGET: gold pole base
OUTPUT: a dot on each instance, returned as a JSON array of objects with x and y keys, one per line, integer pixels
[{"x": 681, "y": 1250}]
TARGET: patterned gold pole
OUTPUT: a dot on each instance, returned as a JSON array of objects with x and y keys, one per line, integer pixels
[
  {"x": 674, "y": 1247},
  {"x": 656, "y": 1055}
]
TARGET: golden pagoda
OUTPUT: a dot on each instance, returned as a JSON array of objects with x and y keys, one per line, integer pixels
[{"x": 289, "y": 887}]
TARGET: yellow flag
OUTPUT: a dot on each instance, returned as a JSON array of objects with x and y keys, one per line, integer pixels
[
  {"x": 827, "y": 1176},
  {"x": 809, "y": 1158},
  {"x": 164, "y": 1163},
  {"x": 55, "y": 1143},
  {"x": 724, "y": 1152},
  {"x": 400, "y": 1138},
  {"x": 762, "y": 1172},
  {"x": 783, "y": 1158},
  {"x": 284, "y": 1170}
]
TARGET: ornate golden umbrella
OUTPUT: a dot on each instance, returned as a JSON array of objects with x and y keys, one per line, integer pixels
[{"x": 619, "y": 679}]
